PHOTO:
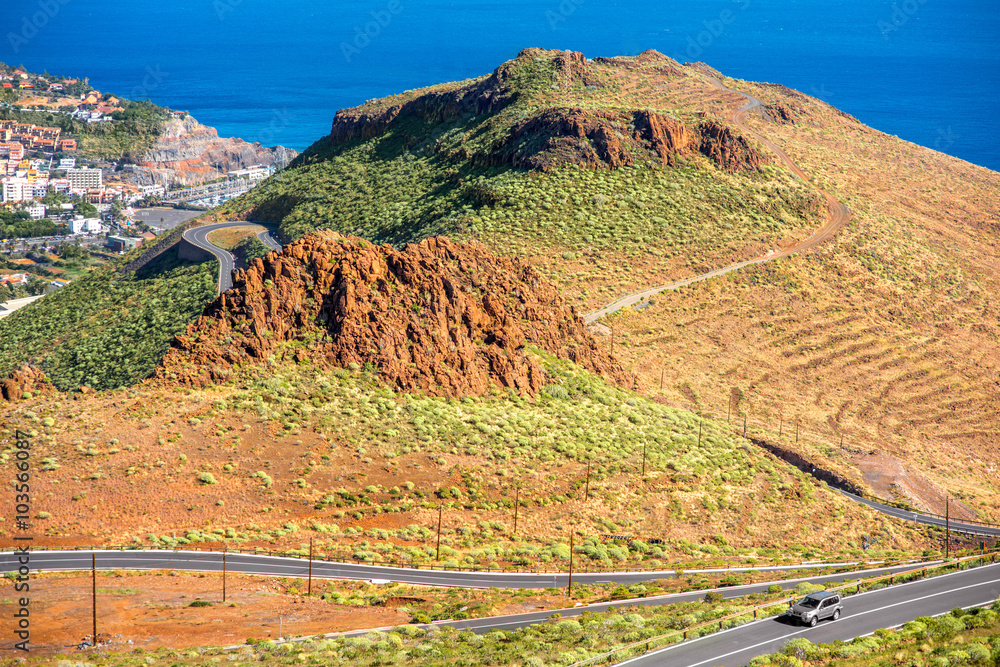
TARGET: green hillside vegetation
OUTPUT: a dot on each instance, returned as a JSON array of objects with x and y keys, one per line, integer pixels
[
  {"x": 107, "y": 330},
  {"x": 480, "y": 449},
  {"x": 423, "y": 177}
]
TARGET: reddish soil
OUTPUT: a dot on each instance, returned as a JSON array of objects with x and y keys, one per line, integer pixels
[{"x": 152, "y": 610}]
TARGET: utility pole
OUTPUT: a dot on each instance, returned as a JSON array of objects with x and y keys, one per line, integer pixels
[
  {"x": 569, "y": 587},
  {"x": 796, "y": 431},
  {"x": 662, "y": 371},
  {"x": 781, "y": 422},
  {"x": 643, "y": 458},
  {"x": 437, "y": 556},
  {"x": 587, "y": 492},
  {"x": 310, "y": 591},
  {"x": 517, "y": 504},
  {"x": 224, "y": 573},
  {"x": 947, "y": 527},
  {"x": 744, "y": 426},
  {"x": 729, "y": 409},
  {"x": 93, "y": 591},
  {"x": 700, "y": 422}
]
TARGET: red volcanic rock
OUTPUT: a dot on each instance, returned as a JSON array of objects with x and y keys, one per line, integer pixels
[
  {"x": 24, "y": 380},
  {"x": 441, "y": 317},
  {"x": 731, "y": 151}
]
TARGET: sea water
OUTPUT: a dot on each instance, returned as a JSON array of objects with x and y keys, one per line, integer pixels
[{"x": 276, "y": 72}]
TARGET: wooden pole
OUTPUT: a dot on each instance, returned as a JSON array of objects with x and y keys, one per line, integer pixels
[
  {"x": 841, "y": 440},
  {"x": 744, "y": 426},
  {"x": 643, "y": 458},
  {"x": 781, "y": 423},
  {"x": 517, "y": 504},
  {"x": 437, "y": 556},
  {"x": 729, "y": 409},
  {"x": 310, "y": 590},
  {"x": 224, "y": 574},
  {"x": 662, "y": 371},
  {"x": 569, "y": 586},
  {"x": 796, "y": 431},
  {"x": 587, "y": 492},
  {"x": 947, "y": 527},
  {"x": 93, "y": 591}
]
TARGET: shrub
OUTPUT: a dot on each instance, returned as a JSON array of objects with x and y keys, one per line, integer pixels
[{"x": 206, "y": 478}]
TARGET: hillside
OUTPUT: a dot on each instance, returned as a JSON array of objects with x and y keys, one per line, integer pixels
[
  {"x": 353, "y": 382},
  {"x": 610, "y": 175},
  {"x": 106, "y": 329},
  {"x": 346, "y": 391},
  {"x": 436, "y": 317},
  {"x": 603, "y": 167}
]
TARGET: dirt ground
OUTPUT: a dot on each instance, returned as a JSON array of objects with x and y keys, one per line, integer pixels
[{"x": 153, "y": 610}]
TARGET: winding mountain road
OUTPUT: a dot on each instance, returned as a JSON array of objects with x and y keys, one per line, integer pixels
[
  {"x": 956, "y": 526},
  {"x": 211, "y": 561},
  {"x": 198, "y": 236},
  {"x": 837, "y": 216}
]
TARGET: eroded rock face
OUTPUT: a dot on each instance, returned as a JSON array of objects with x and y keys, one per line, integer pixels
[
  {"x": 23, "y": 381},
  {"x": 189, "y": 153},
  {"x": 440, "y": 317},
  {"x": 731, "y": 151}
]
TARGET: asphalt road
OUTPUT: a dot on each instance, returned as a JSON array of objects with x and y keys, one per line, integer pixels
[
  {"x": 268, "y": 240},
  {"x": 907, "y": 515},
  {"x": 227, "y": 262},
  {"x": 863, "y": 614},
  {"x": 207, "y": 561},
  {"x": 296, "y": 567}
]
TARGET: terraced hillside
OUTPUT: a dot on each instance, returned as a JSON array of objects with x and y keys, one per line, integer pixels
[
  {"x": 886, "y": 336},
  {"x": 881, "y": 345}
]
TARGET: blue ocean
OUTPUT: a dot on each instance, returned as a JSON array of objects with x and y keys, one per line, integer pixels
[{"x": 276, "y": 72}]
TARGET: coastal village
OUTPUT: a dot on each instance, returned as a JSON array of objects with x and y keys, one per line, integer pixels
[
  {"x": 66, "y": 207},
  {"x": 40, "y": 172},
  {"x": 50, "y": 194}
]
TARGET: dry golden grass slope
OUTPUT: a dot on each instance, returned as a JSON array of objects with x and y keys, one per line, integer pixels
[{"x": 886, "y": 336}]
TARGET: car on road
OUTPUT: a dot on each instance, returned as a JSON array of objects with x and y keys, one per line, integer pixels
[{"x": 816, "y": 607}]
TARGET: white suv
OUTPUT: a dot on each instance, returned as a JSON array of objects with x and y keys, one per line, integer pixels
[{"x": 816, "y": 607}]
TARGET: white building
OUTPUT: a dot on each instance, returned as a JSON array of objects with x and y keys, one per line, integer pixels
[
  {"x": 60, "y": 185},
  {"x": 17, "y": 189},
  {"x": 84, "y": 178},
  {"x": 67, "y": 163},
  {"x": 36, "y": 211},
  {"x": 81, "y": 225},
  {"x": 152, "y": 190}
]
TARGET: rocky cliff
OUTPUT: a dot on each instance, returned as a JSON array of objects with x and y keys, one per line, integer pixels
[
  {"x": 189, "y": 153},
  {"x": 440, "y": 317}
]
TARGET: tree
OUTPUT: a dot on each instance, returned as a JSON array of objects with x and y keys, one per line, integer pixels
[
  {"x": 36, "y": 285},
  {"x": 85, "y": 209}
]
